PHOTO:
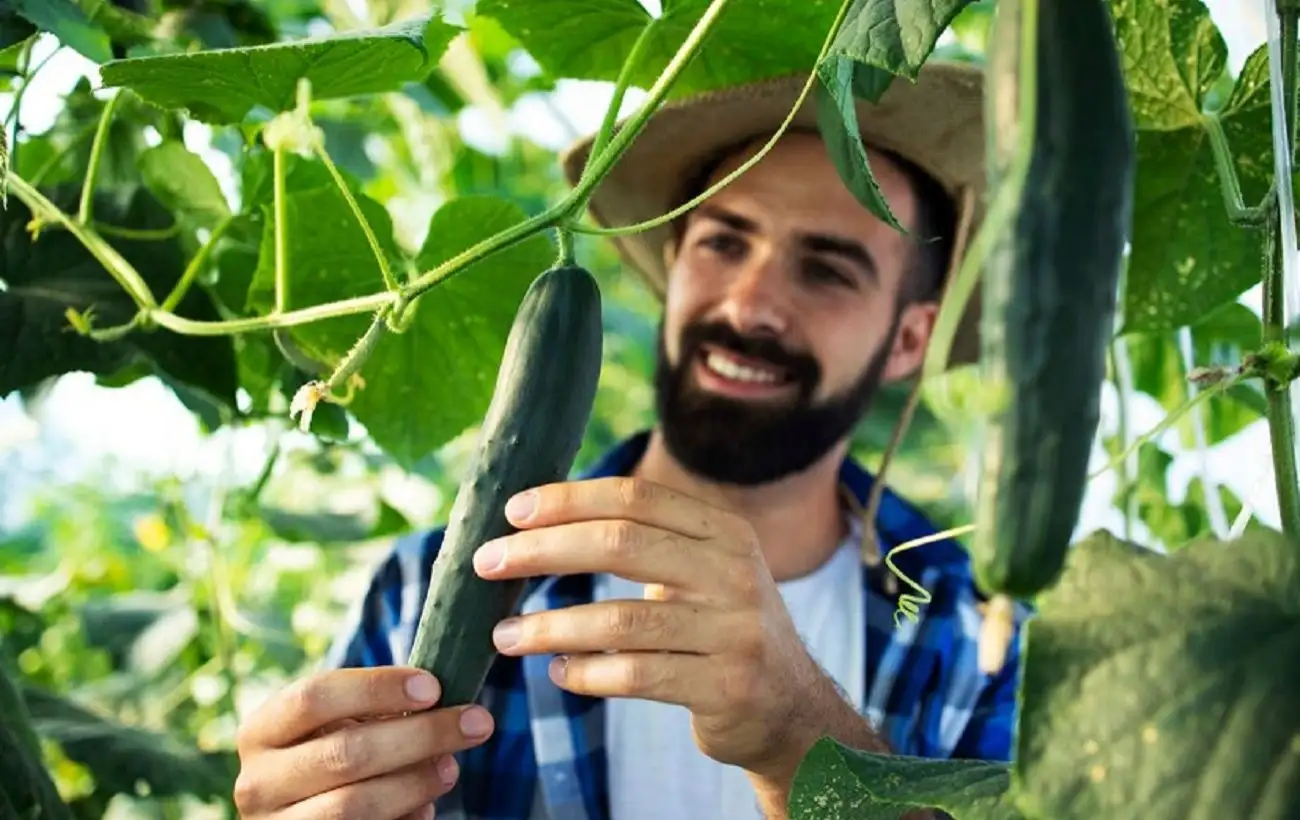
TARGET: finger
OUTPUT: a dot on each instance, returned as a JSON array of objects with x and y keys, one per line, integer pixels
[
  {"x": 385, "y": 797},
  {"x": 628, "y": 549},
  {"x": 281, "y": 777},
  {"x": 308, "y": 705},
  {"x": 622, "y": 625},
  {"x": 698, "y": 682},
  {"x": 622, "y": 497}
]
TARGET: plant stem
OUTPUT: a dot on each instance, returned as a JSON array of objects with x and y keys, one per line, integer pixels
[
  {"x": 120, "y": 269},
  {"x": 1194, "y": 399},
  {"x": 139, "y": 234},
  {"x": 292, "y": 318},
  {"x": 1122, "y": 373},
  {"x": 279, "y": 201},
  {"x": 564, "y": 238},
  {"x": 196, "y": 264},
  {"x": 382, "y": 260},
  {"x": 1233, "y": 201},
  {"x": 1281, "y": 420},
  {"x": 620, "y": 89},
  {"x": 599, "y": 166},
  {"x": 86, "y": 213}
]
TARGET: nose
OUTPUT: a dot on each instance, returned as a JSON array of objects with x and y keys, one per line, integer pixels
[{"x": 755, "y": 301}]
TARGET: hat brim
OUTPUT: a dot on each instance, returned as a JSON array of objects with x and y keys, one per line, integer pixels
[{"x": 936, "y": 122}]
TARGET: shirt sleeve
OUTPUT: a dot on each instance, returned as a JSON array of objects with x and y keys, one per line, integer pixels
[{"x": 990, "y": 734}]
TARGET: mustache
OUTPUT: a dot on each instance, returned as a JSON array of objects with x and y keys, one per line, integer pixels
[{"x": 799, "y": 367}]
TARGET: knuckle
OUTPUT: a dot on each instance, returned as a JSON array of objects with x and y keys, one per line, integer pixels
[
  {"x": 247, "y": 793},
  {"x": 635, "y": 678},
  {"x": 635, "y": 492},
  {"x": 302, "y": 700},
  {"x": 622, "y": 537},
  {"x": 343, "y": 751},
  {"x": 622, "y": 620},
  {"x": 244, "y": 738}
]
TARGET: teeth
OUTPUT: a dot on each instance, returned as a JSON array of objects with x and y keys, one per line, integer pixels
[{"x": 726, "y": 367}]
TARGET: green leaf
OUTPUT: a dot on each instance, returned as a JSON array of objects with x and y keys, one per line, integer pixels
[
  {"x": 894, "y": 36},
  {"x": 46, "y": 277},
  {"x": 223, "y": 85},
  {"x": 1165, "y": 686},
  {"x": 65, "y": 20},
  {"x": 835, "y": 782},
  {"x": 455, "y": 343},
  {"x": 879, "y": 39},
  {"x": 183, "y": 182},
  {"x": 1187, "y": 257},
  {"x": 14, "y": 29},
  {"x": 840, "y": 81},
  {"x": 589, "y": 39},
  {"x": 120, "y": 756}
]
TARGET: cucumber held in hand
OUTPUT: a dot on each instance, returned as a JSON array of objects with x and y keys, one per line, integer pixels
[
  {"x": 1050, "y": 282},
  {"x": 540, "y": 407}
]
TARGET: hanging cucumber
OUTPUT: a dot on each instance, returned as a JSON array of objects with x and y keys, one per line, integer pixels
[
  {"x": 534, "y": 426},
  {"x": 1061, "y": 163}
]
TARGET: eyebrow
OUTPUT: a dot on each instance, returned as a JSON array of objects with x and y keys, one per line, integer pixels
[{"x": 851, "y": 250}]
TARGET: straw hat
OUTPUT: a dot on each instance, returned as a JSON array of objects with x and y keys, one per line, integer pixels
[{"x": 936, "y": 122}]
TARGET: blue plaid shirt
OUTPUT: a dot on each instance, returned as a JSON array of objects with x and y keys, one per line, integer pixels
[{"x": 546, "y": 759}]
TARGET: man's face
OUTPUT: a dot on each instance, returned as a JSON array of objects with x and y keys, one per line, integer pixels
[{"x": 782, "y": 315}]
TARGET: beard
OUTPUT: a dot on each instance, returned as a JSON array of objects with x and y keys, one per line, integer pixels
[{"x": 733, "y": 441}]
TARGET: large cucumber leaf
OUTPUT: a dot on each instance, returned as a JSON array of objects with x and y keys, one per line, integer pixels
[
  {"x": 1165, "y": 687},
  {"x": 1188, "y": 258},
  {"x": 835, "y": 782},
  {"x": 590, "y": 39},
  {"x": 224, "y": 85}
]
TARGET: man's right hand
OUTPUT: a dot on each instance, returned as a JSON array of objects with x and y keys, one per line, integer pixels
[{"x": 340, "y": 745}]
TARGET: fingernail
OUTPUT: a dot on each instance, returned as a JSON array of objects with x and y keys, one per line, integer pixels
[
  {"x": 506, "y": 634},
  {"x": 521, "y": 506},
  {"x": 447, "y": 770},
  {"x": 475, "y": 723},
  {"x": 422, "y": 688},
  {"x": 489, "y": 556}
]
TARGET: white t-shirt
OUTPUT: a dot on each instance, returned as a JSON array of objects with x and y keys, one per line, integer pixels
[{"x": 656, "y": 770}]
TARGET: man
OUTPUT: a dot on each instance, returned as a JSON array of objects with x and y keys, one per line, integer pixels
[{"x": 698, "y": 613}]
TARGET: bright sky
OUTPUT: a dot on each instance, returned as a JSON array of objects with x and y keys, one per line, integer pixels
[{"x": 143, "y": 428}]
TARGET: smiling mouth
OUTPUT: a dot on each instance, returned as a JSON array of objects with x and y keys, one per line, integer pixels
[{"x": 725, "y": 372}]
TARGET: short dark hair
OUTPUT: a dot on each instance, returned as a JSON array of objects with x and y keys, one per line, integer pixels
[{"x": 934, "y": 231}]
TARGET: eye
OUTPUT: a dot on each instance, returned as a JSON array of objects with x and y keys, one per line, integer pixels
[
  {"x": 824, "y": 274},
  {"x": 724, "y": 244}
]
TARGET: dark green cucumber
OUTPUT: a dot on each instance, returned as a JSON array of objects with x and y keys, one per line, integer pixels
[
  {"x": 534, "y": 426},
  {"x": 1049, "y": 284}
]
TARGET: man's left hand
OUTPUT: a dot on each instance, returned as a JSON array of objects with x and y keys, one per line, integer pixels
[{"x": 712, "y": 635}]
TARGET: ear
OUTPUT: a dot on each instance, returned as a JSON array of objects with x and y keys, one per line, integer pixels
[{"x": 910, "y": 342}]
